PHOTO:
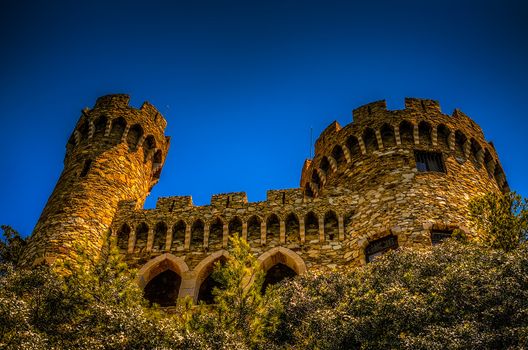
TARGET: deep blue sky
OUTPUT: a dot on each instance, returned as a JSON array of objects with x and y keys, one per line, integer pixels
[{"x": 242, "y": 82}]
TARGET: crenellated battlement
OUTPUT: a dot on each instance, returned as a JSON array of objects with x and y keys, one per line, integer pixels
[{"x": 368, "y": 110}]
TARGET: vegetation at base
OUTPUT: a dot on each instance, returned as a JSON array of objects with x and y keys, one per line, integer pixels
[{"x": 455, "y": 295}]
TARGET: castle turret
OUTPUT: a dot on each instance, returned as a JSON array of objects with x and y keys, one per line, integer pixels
[{"x": 115, "y": 153}]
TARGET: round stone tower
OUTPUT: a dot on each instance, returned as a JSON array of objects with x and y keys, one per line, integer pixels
[
  {"x": 408, "y": 174},
  {"x": 115, "y": 153}
]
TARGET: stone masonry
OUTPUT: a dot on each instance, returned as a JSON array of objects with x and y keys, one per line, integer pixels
[{"x": 400, "y": 175}]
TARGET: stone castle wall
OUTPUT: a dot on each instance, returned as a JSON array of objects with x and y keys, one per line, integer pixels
[
  {"x": 389, "y": 174},
  {"x": 362, "y": 184}
]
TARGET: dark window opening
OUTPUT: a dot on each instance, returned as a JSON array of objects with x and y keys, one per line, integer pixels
[
  {"x": 308, "y": 191},
  {"x": 160, "y": 237},
  {"x": 272, "y": 227},
  {"x": 311, "y": 224},
  {"x": 370, "y": 140},
  {"x": 122, "y": 238},
  {"x": 277, "y": 274},
  {"x": 338, "y": 155},
  {"x": 292, "y": 228},
  {"x": 86, "y": 168},
  {"x": 235, "y": 227},
  {"x": 437, "y": 236},
  {"x": 429, "y": 161},
  {"x": 380, "y": 246},
  {"x": 216, "y": 234},
  {"x": 141, "y": 238},
  {"x": 163, "y": 289},
  {"x": 254, "y": 229},
  {"x": 197, "y": 234},
  {"x": 324, "y": 165},
  {"x": 178, "y": 235},
  {"x": 331, "y": 226},
  {"x": 353, "y": 146}
]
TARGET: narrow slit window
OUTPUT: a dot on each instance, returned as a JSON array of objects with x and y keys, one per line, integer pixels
[
  {"x": 429, "y": 161},
  {"x": 86, "y": 168}
]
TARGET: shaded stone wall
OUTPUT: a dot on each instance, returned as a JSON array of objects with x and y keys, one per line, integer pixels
[{"x": 115, "y": 153}]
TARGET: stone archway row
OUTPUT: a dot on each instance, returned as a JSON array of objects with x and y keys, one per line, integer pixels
[
  {"x": 307, "y": 229},
  {"x": 191, "y": 280}
]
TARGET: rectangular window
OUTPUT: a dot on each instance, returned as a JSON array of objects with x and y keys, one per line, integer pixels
[
  {"x": 437, "y": 236},
  {"x": 429, "y": 161},
  {"x": 379, "y": 247}
]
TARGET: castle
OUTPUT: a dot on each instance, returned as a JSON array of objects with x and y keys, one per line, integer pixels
[{"x": 390, "y": 178}]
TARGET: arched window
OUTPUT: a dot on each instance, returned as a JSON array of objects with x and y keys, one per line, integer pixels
[
  {"x": 100, "y": 127},
  {"x": 460, "y": 145},
  {"x": 424, "y": 132},
  {"x": 160, "y": 237},
  {"x": 86, "y": 168},
  {"x": 308, "y": 191},
  {"x": 197, "y": 234},
  {"x": 148, "y": 147},
  {"x": 178, "y": 235},
  {"x": 84, "y": 130},
  {"x": 475, "y": 152},
  {"x": 338, "y": 155},
  {"x": 254, "y": 229},
  {"x": 315, "y": 178},
  {"x": 272, "y": 229},
  {"x": 134, "y": 135},
  {"x": 277, "y": 274},
  {"x": 156, "y": 164},
  {"x": 216, "y": 234},
  {"x": 235, "y": 227},
  {"x": 353, "y": 146},
  {"x": 380, "y": 246},
  {"x": 122, "y": 238},
  {"x": 406, "y": 133},
  {"x": 117, "y": 130},
  {"x": 141, "y": 238},
  {"x": 443, "y": 133},
  {"x": 489, "y": 162},
  {"x": 324, "y": 165},
  {"x": 500, "y": 178},
  {"x": 163, "y": 289},
  {"x": 292, "y": 229},
  {"x": 370, "y": 140},
  {"x": 311, "y": 230},
  {"x": 387, "y": 136},
  {"x": 331, "y": 226}
]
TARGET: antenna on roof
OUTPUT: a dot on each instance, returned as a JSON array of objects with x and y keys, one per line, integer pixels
[{"x": 311, "y": 141}]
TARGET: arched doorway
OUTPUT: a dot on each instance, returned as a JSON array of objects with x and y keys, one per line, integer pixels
[
  {"x": 280, "y": 263},
  {"x": 163, "y": 289},
  {"x": 277, "y": 273},
  {"x": 205, "y": 293},
  {"x": 204, "y": 281},
  {"x": 161, "y": 279}
]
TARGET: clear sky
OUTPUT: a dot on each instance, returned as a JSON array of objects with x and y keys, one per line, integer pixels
[{"x": 242, "y": 82}]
